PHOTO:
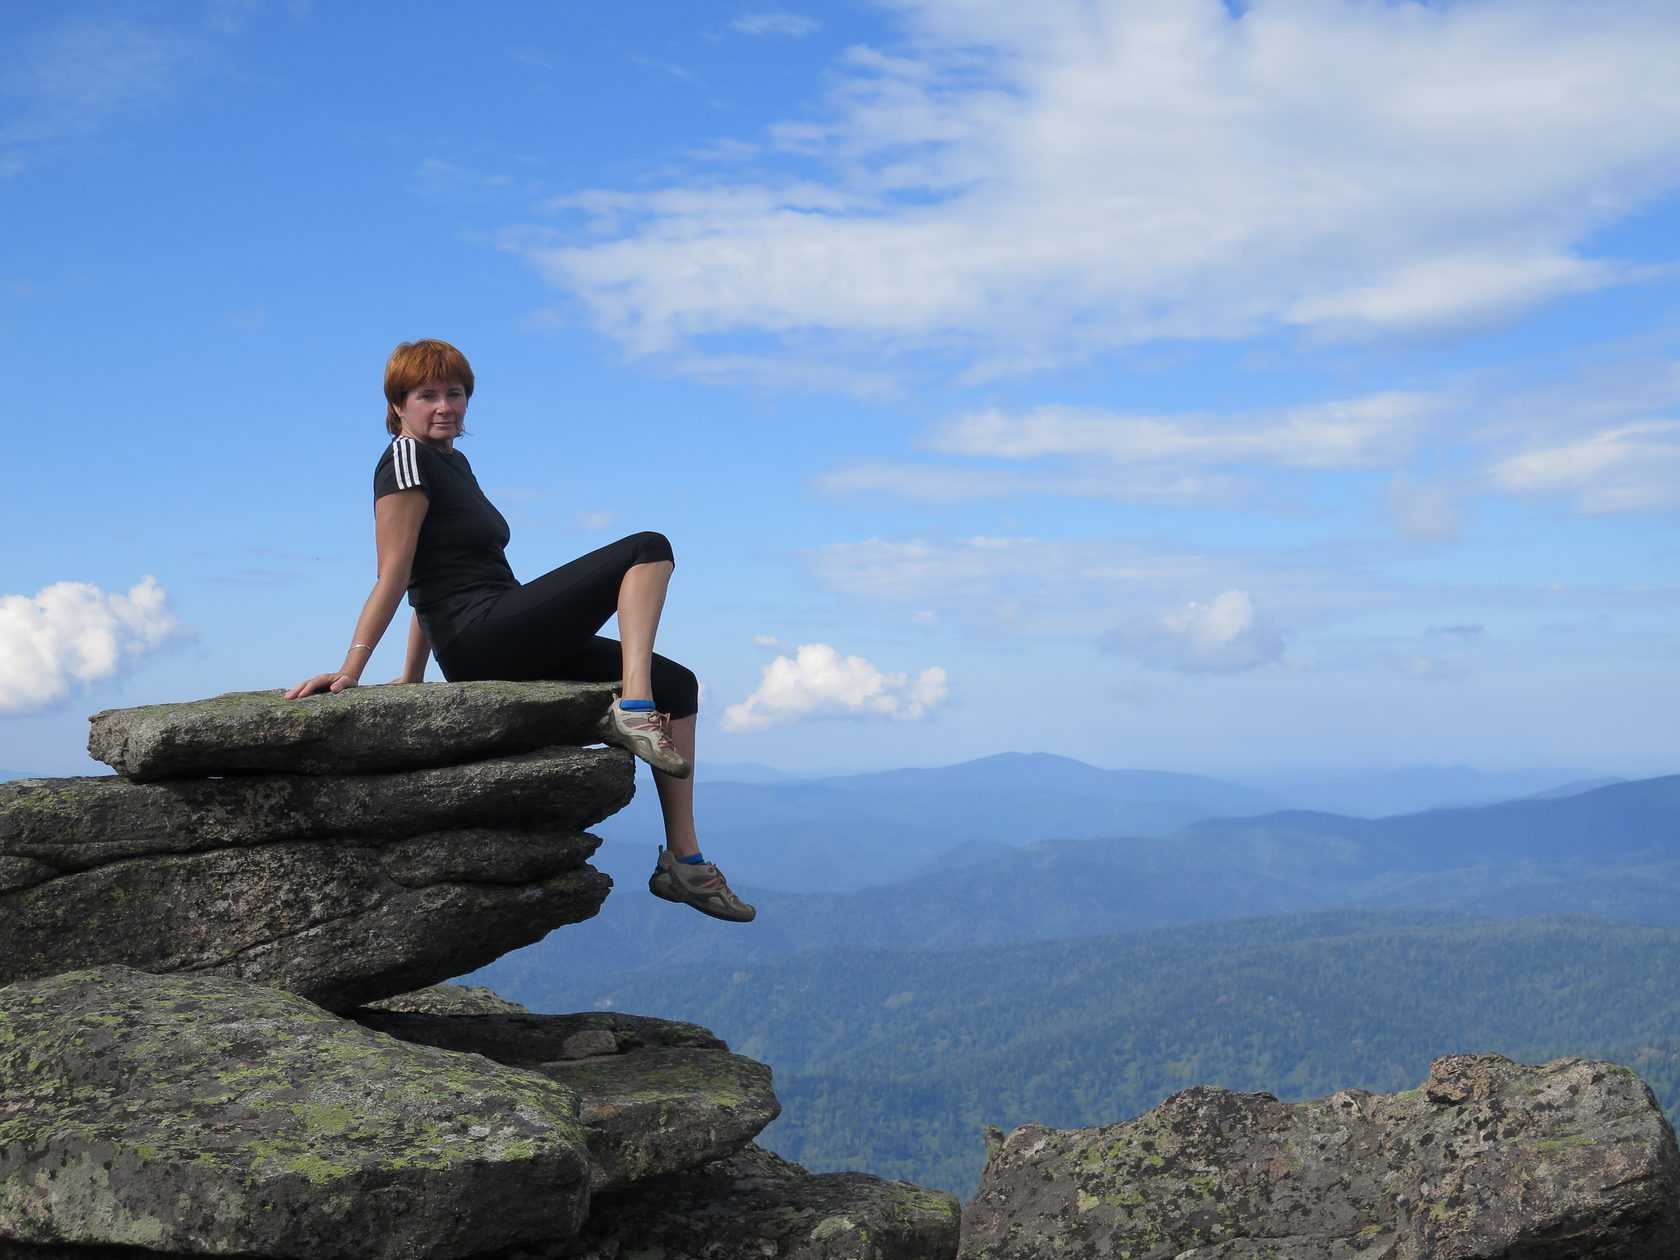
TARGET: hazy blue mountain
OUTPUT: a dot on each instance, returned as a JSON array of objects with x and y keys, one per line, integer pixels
[
  {"x": 891, "y": 1058},
  {"x": 1623, "y": 818},
  {"x": 1577, "y": 786},
  {"x": 852, "y": 831},
  {"x": 746, "y": 772},
  {"x": 1561, "y": 856},
  {"x": 1379, "y": 793},
  {"x": 15, "y": 774}
]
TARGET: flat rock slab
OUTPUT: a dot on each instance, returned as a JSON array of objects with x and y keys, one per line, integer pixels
[
  {"x": 76, "y": 824},
  {"x": 656, "y": 1096},
  {"x": 364, "y": 729},
  {"x": 339, "y": 923},
  {"x": 1489, "y": 1160},
  {"x": 759, "y": 1206},
  {"x": 450, "y": 999},
  {"x": 207, "y": 1116},
  {"x": 664, "y": 1109}
]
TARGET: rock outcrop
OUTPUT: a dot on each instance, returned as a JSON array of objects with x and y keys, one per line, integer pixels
[
  {"x": 198, "y": 1114},
  {"x": 1489, "y": 1160},
  {"x": 343, "y": 887},
  {"x": 161, "y": 1096}
]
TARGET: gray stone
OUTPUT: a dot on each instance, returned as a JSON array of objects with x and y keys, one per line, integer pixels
[
  {"x": 77, "y": 824},
  {"x": 657, "y": 1096},
  {"x": 339, "y": 922},
  {"x": 360, "y": 730},
  {"x": 759, "y": 1206},
  {"x": 589, "y": 1045},
  {"x": 1490, "y": 1160},
  {"x": 450, "y": 999},
  {"x": 663, "y": 1109},
  {"x": 208, "y": 1116}
]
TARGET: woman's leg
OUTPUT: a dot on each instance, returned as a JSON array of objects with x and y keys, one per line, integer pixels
[
  {"x": 676, "y": 796},
  {"x": 641, "y": 599}
]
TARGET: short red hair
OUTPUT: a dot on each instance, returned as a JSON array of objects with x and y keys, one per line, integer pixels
[{"x": 414, "y": 363}]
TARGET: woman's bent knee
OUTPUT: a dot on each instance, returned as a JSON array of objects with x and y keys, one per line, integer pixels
[{"x": 650, "y": 547}]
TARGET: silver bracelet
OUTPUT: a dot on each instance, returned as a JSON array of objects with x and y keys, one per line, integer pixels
[{"x": 368, "y": 646}]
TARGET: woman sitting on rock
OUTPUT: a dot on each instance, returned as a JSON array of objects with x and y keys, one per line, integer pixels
[{"x": 443, "y": 542}]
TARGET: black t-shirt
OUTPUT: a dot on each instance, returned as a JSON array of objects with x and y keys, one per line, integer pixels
[{"x": 459, "y": 565}]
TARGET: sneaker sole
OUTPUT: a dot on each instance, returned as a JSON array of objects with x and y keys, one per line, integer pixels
[
  {"x": 659, "y": 885},
  {"x": 610, "y": 734}
]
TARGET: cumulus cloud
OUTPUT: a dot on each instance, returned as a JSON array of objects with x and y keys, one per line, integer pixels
[
  {"x": 1632, "y": 468},
  {"x": 1225, "y": 636},
  {"x": 1023, "y": 185},
  {"x": 816, "y": 681},
  {"x": 72, "y": 635}
]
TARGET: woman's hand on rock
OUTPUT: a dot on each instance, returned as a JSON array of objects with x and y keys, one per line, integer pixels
[{"x": 334, "y": 683}]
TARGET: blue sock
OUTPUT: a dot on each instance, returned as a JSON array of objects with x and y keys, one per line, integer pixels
[
  {"x": 636, "y": 706},
  {"x": 696, "y": 860}
]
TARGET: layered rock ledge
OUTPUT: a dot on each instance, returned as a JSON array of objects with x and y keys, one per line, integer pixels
[
  {"x": 342, "y": 886},
  {"x": 358, "y": 731}
]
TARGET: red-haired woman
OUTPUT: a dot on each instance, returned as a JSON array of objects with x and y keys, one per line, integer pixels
[{"x": 440, "y": 540}]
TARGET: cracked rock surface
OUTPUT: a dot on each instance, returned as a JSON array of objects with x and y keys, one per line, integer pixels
[
  {"x": 1489, "y": 1160},
  {"x": 197, "y": 1115}
]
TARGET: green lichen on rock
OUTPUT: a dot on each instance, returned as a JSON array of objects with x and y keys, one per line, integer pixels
[
  {"x": 1488, "y": 1158},
  {"x": 187, "y": 1113}
]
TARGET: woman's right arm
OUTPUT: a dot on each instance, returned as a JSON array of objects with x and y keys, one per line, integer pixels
[{"x": 396, "y": 523}]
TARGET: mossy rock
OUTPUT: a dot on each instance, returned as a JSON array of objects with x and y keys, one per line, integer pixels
[{"x": 209, "y": 1116}]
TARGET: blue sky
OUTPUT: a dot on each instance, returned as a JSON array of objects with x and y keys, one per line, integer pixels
[{"x": 1158, "y": 382}]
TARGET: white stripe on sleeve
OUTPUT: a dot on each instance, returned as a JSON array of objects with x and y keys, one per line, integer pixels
[{"x": 406, "y": 463}]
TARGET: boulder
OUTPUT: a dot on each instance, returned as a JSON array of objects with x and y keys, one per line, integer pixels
[
  {"x": 196, "y": 1115},
  {"x": 756, "y": 1205},
  {"x": 77, "y": 824},
  {"x": 1489, "y": 1160},
  {"x": 655, "y": 1096},
  {"x": 361, "y": 730}
]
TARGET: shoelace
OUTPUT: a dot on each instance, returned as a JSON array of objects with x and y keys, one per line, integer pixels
[{"x": 656, "y": 722}]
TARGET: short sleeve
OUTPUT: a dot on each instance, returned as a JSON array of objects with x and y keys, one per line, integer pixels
[{"x": 402, "y": 468}]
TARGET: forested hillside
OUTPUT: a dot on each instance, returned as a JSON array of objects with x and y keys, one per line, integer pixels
[{"x": 891, "y": 1059}]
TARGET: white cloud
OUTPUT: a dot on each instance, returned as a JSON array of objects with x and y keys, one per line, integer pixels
[
  {"x": 1362, "y": 433},
  {"x": 1021, "y": 185},
  {"x": 1226, "y": 636},
  {"x": 75, "y": 78},
  {"x": 72, "y": 635},
  {"x": 591, "y": 522},
  {"x": 816, "y": 681},
  {"x": 1633, "y": 468},
  {"x": 777, "y": 22}
]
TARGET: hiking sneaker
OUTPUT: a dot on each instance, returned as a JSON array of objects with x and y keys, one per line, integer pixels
[
  {"x": 648, "y": 735},
  {"x": 698, "y": 884}
]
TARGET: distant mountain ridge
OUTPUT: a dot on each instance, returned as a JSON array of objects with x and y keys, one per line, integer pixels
[
  {"x": 854, "y": 831},
  {"x": 1612, "y": 852}
]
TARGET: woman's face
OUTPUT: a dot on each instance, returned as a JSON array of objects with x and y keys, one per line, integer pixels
[{"x": 434, "y": 412}]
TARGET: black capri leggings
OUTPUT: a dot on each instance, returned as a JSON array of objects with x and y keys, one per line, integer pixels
[{"x": 546, "y": 629}]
